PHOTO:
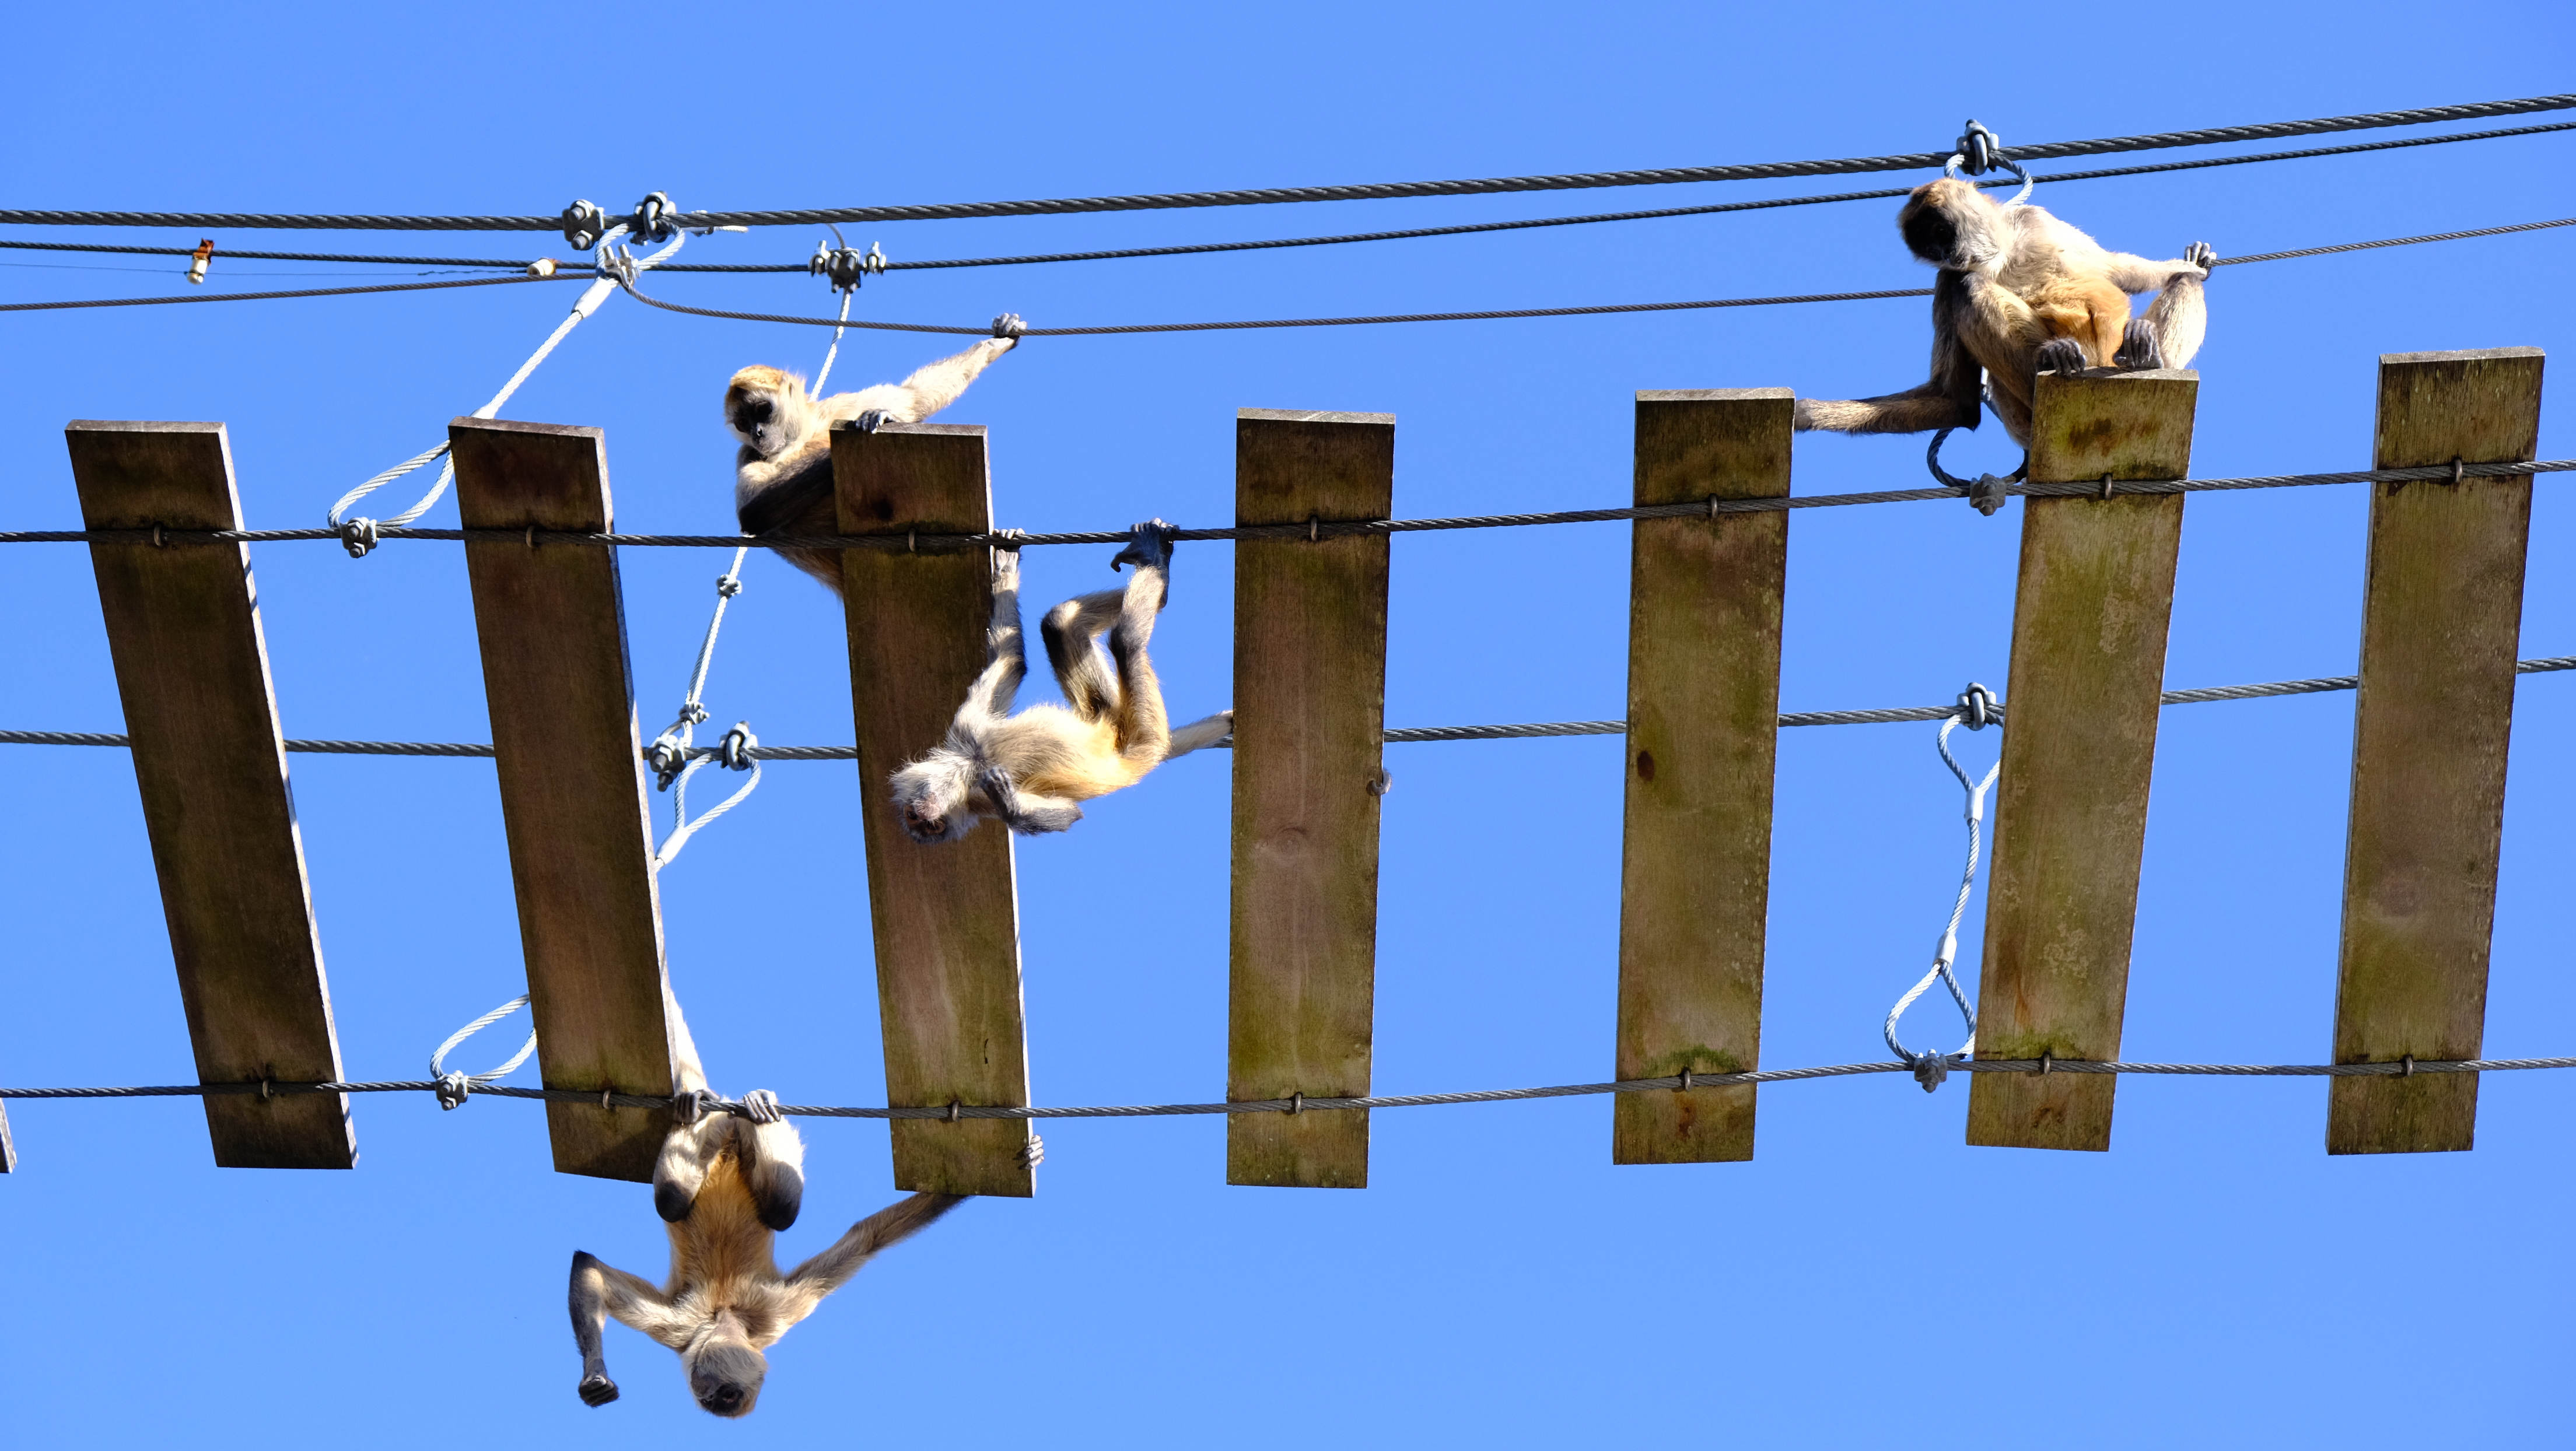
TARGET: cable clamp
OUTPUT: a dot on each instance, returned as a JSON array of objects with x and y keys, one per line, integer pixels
[
  {"x": 1931, "y": 1068},
  {"x": 617, "y": 265},
  {"x": 583, "y": 225},
  {"x": 358, "y": 536},
  {"x": 654, "y": 220},
  {"x": 734, "y": 751},
  {"x": 1981, "y": 151},
  {"x": 2409, "y": 1070},
  {"x": 1985, "y": 491},
  {"x": 1296, "y": 1101},
  {"x": 846, "y": 267},
  {"x": 453, "y": 1088},
  {"x": 727, "y": 586},
  {"x": 1977, "y": 708}
]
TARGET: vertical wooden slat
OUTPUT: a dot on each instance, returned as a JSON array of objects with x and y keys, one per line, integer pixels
[
  {"x": 8, "y": 1148},
  {"x": 183, "y": 627},
  {"x": 1310, "y": 717},
  {"x": 946, "y": 916},
  {"x": 2441, "y": 620},
  {"x": 1703, "y": 728},
  {"x": 573, "y": 794},
  {"x": 2088, "y": 660}
]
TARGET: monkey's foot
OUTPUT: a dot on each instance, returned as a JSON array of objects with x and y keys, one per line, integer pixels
[
  {"x": 2200, "y": 255},
  {"x": 1033, "y": 1153},
  {"x": 2138, "y": 347},
  {"x": 1008, "y": 325},
  {"x": 872, "y": 420},
  {"x": 2061, "y": 355},
  {"x": 597, "y": 1390},
  {"x": 761, "y": 1107},
  {"x": 1149, "y": 548}
]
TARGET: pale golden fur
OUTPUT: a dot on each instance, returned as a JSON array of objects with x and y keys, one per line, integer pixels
[
  {"x": 1034, "y": 767},
  {"x": 783, "y": 473},
  {"x": 2020, "y": 293},
  {"x": 725, "y": 1185}
]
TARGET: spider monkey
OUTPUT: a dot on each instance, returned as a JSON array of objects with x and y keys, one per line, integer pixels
[
  {"x": 2021, "y": 293},
  {"x": 783, "y": 474},
  {"x": 725, "y": 1186},
  {"x": 1030, "y": 769}
]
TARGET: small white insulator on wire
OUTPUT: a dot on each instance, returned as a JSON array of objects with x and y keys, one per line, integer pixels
[
  {"x": 542, "y": 267},
  {"x": 198, "y": 259}
]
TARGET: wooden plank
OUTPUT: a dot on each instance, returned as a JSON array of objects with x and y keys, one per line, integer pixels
[
  {"x": 1310, "y": 718},
  {"x": 573, "y": 794},
  {"x": 2441, "y": 620},
  {"x": 183, "y": 628},
  {"x": 2088, "y": 661},
  {"x": 946, "y": 916},
  {"x": 1704, "y": 601},
  {"x": 8, "y": 1149}
]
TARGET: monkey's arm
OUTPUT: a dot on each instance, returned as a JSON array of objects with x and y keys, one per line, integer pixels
[
  {"x": 2170, "y": 333},
  {"x": 1028, "y": 814},
  {"x": 1949, "y": 399},
  {"x": 599, "y": 1290},
  {"x": 1200, "y": 734},
  {"x": 2134, "y": 274},
  {"x": 999, "y": 685},
  {"x": 809, "y": 1282},
  {"x": 931, "y": 387}
]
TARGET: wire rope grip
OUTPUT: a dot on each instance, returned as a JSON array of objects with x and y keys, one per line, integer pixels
[
  {"x": 1980, "y": 151},
  {"x": 845, "y": 267},
  {"x": 1986, "y": 492},
  {"x": 583, "y": 225}
]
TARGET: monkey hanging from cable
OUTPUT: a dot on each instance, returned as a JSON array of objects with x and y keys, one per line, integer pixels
[
  {"x": 2021, "y": 293},
  {"x": 1033, "y": 768},
  {"x": 725, "y": 1185},
  {"x": 783, "y": 474}
]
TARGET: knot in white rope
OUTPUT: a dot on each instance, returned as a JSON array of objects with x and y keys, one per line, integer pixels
[
  {"x": 1977, "y": 703},
  {"x": 1981, "y": 151},
  {"x": 652, "y": 221},
  {"x": 734, "y": 751},
  {"x": 453, "y": 1086}
]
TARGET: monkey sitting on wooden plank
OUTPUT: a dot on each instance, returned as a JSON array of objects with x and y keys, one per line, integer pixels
[
  {"x": 725, "y": 1186},
  {"x": 783, "y": 474},
  {"x": 2021, "y": 293},
  {"x": 1030, "y": 769}
]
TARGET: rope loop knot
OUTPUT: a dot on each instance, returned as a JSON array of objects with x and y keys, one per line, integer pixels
[
  {"x": 733, "y": 752},
  {"x": 654, "y": 219},
  {"x": 1980, "y": 150},
  {"x": 454, "y": 1086},
  {"x": 1986, "y": 492},
  {"x": 1977, "y": 708}
]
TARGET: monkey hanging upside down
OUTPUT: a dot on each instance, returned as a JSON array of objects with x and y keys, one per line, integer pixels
[
  {"x": 1030, "y": 769},
  {"x": 726, "y": 1185},
  {"x": 2021, "y": 293},
  {"x": 783, "y": 475}
]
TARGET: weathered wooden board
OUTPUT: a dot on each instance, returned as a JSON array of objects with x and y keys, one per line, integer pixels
[
  {"x": 183, "y": 627},
  {"x": 1703, "y": 730},
  {"x": 573, "y": 793},
  {"x": 946, "y": 916},
  {"x": 2088, "y": 661},
  {"x": 2441, "y": 619},
  {"x": 1310, "y": 715},
  {"x": 8, "y": 1148}
]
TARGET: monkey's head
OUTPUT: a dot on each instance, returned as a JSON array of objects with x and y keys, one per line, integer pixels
[
  {"x": 725, "y": 1368},
  {"x": 1951, "y": 224},
  {"x": 932, "y": 796},
  {"x": 767, "y": 409}
]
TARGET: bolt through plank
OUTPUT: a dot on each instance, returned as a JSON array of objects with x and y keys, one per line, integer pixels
[
  {"x": 2441, "y": 620},
  {"x": 2088, "y": 660},
  {"x": 1310, "y": 718},
  {"x": 1704, "y": 610},
  {"x": 183, "y": 628},
  {"x": 946, "y": 916},
  {"x": 573, "y": 796}
]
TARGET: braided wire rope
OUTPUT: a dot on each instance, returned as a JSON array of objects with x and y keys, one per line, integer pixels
[
  {"x": 1975, "y": 711},
  {"x": 1404, "y": 234},
  {"x": 2402, "y": 1068},
  {"x": 1403, "y": 735},
  {"x": 1910, "y": 161}
]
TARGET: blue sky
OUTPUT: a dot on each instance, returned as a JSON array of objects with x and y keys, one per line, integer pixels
[{"x": 2215, "y": 1279}]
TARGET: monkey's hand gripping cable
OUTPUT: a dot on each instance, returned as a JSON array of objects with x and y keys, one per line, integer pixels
[
  {"x": 1977, "y": 709},
  {"x": 653, "y": 222}
]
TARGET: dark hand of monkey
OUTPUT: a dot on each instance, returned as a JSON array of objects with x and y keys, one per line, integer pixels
[
  {"x": 997, "y": 785},
  {"x": 1151, "y": 548},
  {"x": 597, "y": 1390},
  {"x": 2200, "y": 255},
  {"x": 1008, "y": 325},
  {"x": 2138, "y": 346},
  {"x": 761, "y": 1107},
  {"x": 2060, "y": 355},
  {"x": 872, "y": 420}
]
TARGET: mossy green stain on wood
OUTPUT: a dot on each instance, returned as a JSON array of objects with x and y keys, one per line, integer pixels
[
  {"x": 2432, "y": 723},
  {"x": 1705, "y": 604},
  {"x": 2070, "y": 807}
]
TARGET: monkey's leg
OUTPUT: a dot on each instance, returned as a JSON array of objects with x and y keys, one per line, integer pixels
[
  {"x": 2169, "y": 335},
  {"x": 1144, "y": 731},
  {"x": 772, "y": 1158},
  {"x": 690, "y": 1147},
  {"x": 598, "y": 1291},
  {"x": 1200, "y": 734},
  {"x": 1068, "y": 630}
]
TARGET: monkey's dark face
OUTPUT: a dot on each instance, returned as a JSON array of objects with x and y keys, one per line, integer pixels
[
  {"x": 1951, "y": 224},
  {"x": 725, "y": 1372},
  {"x": 765, "y": 408},
  {"x": 931, "y": 798}
]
